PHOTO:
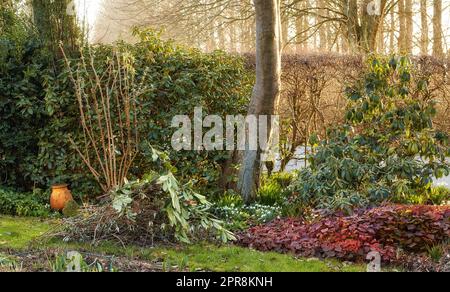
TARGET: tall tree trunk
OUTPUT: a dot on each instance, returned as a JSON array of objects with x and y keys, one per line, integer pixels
[
  {"x": 402, "y": 26},
  {"x": 307, "y": 5},
  {"x": 332, "y": 37},
  {"x": 370, "y": 24},
  {"x": 298, "y": 30},
  {"x": 233, "y": 38},
  {"x": 392, "y": 33},
  {"x": 285, "y": 23},
  {"x": 352, "y": 30},
  {"x": 424, "y": 39},
  {"x": 267, "y": 87},
  {"x": 380, "y": 39},
  {"x": 409, "y": 26},
  {"x": 221, "y": 37},
  {"x": 322, "y": 27},
  {"x": 54, "y": 25},
  {"x": 211, "y": 39},
  {"x": 438, "y": 50}
]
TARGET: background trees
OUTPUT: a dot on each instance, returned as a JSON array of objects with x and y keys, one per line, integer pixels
[{"x": 317, "y": 25}]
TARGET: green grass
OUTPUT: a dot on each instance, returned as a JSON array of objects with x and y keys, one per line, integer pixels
[
  {"x": 232, "y": 258},
  {"x": 18, "y": 233}
]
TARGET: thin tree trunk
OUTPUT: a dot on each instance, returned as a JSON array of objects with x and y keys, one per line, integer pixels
[
  {"x": 299, "y": 27},
  {"x": 351, "y": 11},
  {"x": 306, "y": 24},
  {"x": 438, "y": 50},
  {"x": 402, "y": 26},
  {"x": 424, "y": 41},
  {"x": 55, "y": 25},
  {"x": 221, "y": 37},
  {"x": 392, "y": 33},
  {"x": 380, "y": 39},
  {"x": 409, "y": 26},
  {"x": 267, "y": 87},
  {"x": 322, "y": 28},
  {"x": 285, "y": 31}
]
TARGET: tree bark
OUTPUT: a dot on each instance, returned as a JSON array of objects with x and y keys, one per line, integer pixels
[
  {"x": 370, "y": 24},
  {"x": 54, "y": 25},
  {"x": 424, "y": 39},
  {"x": 267, "y": 87},
  {"x": 362, "y": 29},
  {"x": 402, "y": 26},
  {"x": 438, "y": 50},
  {"x": 392, "y": 33},
  {"x": 409, "y": 26},
  {"x": 285, "y": 24},
  {"x": 380, "y": 39},
  {"x": 322, "y": 27},
  {"x": 307, "y": 5},
  {"x": 299, "y": 20},
  {"x": 351, "y": 12}
]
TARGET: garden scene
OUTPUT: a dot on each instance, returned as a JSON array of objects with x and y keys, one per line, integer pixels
[{"x": 224, "y": 136}]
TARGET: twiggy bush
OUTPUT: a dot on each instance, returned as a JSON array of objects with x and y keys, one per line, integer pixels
[{"x": 108, "y": 101}]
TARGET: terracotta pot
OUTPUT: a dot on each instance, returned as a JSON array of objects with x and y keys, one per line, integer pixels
[{"x": 60, "y": 196}]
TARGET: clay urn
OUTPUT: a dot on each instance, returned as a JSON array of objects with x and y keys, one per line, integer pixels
[{"x": 60, "y": 196}]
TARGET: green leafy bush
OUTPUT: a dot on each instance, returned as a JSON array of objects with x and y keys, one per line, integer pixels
[
  {"x": 439, "y": 195},
  {"x": 229, "y": 198},
  {"x": 387, "y": 150},
  {"x": 270, "y": 194},
  {"x": 434, "y": 196},
  {"x": 38, "y": 105},
  {"x": 274, "y": 189},
  {"x": 284, "y": 179},
  {"x": 24, "y": 204}
]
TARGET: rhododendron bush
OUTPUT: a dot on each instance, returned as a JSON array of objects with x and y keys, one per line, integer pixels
[{"x": 386, "y": 229}]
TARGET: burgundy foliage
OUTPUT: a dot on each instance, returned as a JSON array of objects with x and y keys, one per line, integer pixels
[{"x": 384, "y": 229}]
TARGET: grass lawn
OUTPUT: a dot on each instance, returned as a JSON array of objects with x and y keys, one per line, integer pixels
[{"x": 16, "y": 234}]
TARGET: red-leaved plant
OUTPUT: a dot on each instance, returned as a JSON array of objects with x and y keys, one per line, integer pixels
[{"x": 385, "y": 229}]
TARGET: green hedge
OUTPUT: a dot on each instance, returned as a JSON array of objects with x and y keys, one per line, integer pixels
[
  {"x": 38, "y": 109},
  {"x": 24, "y": 204}
]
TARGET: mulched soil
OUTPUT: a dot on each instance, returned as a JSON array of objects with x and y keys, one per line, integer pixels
[{"x": 426, "y": 264}]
